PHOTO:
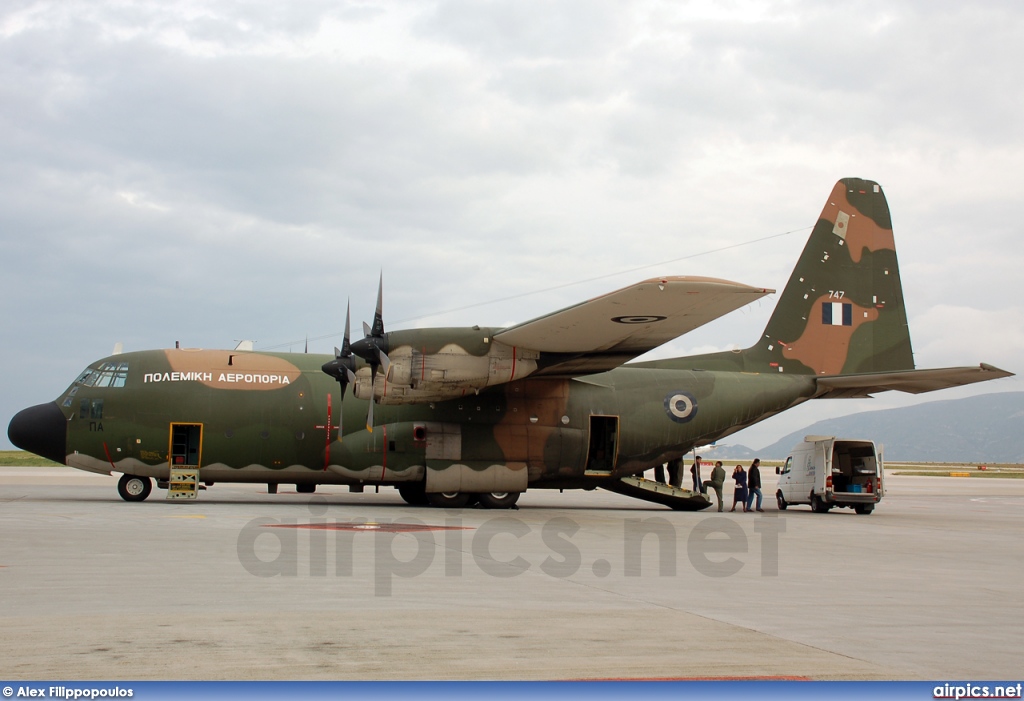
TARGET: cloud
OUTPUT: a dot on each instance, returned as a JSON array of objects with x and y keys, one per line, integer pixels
[
  {"x": 951, "y": 334},
  {"x": 213, "y": 171}
]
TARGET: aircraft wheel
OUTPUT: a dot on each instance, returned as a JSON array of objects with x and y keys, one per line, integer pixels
[
  {"x": 448, "y": 500},
  {"x": 818, "y": 504},
  {"x": 781, "y": 500},
  {"x": 133, "y": 488},
  {"x": 499, "y": 500},
  {"x": 413, "y": 493},
  {"x": 864, "y": 508}
]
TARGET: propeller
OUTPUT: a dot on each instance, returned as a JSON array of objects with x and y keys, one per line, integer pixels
[
  {"x": 373, "y": 348},
  {"x": 342, "y": 368}
]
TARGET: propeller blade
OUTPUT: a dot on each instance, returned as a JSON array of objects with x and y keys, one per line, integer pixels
[
  {"x": 369, "y": 413},
  {"x": 385, "y": 363},
  {"x": 342, "y": 368},
  {"x": 341, "y": 415},
  {"x": 346, "y": 346},
  {"x": 378, "y": 316},
  {"x": 374, "y": 340}
]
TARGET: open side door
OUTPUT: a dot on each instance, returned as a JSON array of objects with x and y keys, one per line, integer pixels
[
  {"x": 184, "y": 458},
  {"x": 603, "y": 446}
]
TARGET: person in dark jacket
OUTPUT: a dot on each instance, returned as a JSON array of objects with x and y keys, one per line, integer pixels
[
  {"x": 739, "y": 494},
  {"x": 695, "y": 473},
  {"x": 754, "y": 484}
]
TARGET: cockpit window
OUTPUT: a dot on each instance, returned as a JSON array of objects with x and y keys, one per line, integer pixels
[
  {"x": 111, "y": 374},
  {"x": 91, "y": 409}
]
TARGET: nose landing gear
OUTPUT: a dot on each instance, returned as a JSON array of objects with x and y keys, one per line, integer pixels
[{"x": 133, "y": 488}]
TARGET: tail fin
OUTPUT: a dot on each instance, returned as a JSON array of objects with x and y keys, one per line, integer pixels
[{"x": 842, "y": 311}]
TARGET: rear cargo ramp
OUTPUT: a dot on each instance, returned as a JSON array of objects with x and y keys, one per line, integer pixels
[{"x": 659, "y": 493}]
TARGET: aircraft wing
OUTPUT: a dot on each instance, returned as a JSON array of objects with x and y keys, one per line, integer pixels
[
  {"x": 607, "y": 331},
  {"x": 912, "y": 381}
]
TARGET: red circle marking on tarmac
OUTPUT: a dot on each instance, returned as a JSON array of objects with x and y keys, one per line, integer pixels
[{"x": 369, "y": 527}]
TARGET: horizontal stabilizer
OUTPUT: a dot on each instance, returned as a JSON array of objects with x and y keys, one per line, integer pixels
[
  {"x": 633, "y": 320},
  {"x": 912, "y": 381}
]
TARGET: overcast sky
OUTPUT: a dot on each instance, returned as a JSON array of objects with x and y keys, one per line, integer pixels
[{"x": 208, "y": 172}]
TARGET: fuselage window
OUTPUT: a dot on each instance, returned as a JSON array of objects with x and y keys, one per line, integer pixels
[
  {"x": 97, "y": 409},
  {"x": 71, "y": 396}
]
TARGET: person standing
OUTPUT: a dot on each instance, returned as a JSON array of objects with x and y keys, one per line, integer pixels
[
  {"x": 675, "y": 472},
  {"x": 739, "y": 494},
  {"x": 695, "y": 473},
  {"x": 754, "y": 485},
  {"x": 716, "y": 482}
]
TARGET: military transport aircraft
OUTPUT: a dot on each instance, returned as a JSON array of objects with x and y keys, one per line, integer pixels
[{"x": 482, "y": 414}]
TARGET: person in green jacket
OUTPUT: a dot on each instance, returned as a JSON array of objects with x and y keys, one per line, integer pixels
[{"x": 716, "y": 482}]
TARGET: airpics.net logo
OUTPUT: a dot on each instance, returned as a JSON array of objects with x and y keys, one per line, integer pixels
[{"x": 505, "y": 547}]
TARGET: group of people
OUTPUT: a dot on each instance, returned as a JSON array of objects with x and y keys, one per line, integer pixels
[{"x": 748, "y": 483}]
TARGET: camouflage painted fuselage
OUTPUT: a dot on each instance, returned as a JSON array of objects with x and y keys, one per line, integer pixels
[
  {"x": 264, "y": 419},
  {"x": 547, "y": 403}
]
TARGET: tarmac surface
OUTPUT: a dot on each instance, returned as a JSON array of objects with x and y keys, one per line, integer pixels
[{"x": 241, "y": 584}]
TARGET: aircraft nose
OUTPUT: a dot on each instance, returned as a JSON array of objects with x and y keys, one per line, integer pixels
[{"x": 41, "y": 429}]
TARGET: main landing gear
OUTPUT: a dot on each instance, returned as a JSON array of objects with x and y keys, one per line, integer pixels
[{"x": 415, "y": 494}]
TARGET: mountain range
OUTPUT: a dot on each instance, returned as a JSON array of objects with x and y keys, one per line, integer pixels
[{"x": 980, "y": 429}]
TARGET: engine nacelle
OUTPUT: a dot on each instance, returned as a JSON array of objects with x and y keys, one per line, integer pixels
[{"x": 418, "y": 376}]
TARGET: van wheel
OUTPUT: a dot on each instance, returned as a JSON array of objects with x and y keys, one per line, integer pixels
[
  {"x": 864, "y": 508},
  {"x": 499, "y": 500},
  {"x": 818, "y": 505},
  {"x": 781, "y": 500}
]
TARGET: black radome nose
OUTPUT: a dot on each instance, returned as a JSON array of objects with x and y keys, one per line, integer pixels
[{"x": 41, "y": 429}]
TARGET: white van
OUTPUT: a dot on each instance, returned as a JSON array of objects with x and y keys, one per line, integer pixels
[{"x": 825, "y": 471}]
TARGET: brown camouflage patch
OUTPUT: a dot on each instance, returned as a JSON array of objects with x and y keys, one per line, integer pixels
[
  {"x": 520, "y": 438},
  {"x": 823, "y": 347},
  {"x": 222, "y": 369},
  {"x": 858, "y": 231}
]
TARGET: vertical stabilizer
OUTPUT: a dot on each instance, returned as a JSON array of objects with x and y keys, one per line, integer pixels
[{"x": 842, "y": 311}]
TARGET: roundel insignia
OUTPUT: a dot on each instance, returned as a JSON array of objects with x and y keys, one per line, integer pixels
[
  {"x": 681, "y": 406},
  {"x": 637, "y": 319}
]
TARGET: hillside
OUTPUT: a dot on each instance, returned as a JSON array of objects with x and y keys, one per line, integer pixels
[{"x": 986, "y": 428}]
